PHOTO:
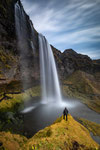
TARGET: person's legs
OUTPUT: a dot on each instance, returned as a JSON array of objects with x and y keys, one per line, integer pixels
[
  {"x": 66, "y": 117},
  {"x": 63, "y": 116}
]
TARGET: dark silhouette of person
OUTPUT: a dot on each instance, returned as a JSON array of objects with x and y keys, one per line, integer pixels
[{"x": 65, "y": 113}]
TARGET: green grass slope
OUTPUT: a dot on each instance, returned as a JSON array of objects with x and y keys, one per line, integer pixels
[
  {"x": 91, "y": 126},
  {"x": 62, "y": 135},
  {"x": 11, "y": 141},
  {"x": 85, "y": 87}
]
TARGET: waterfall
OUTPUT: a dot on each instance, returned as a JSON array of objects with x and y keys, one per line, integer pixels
[
  {"x": 25, "y": 44},
  {"x": 49, "y": 77},
  {"x": 32, "y": 32},
  {"x": 22, "y": 45},
  {"x": 20, "y": 23}
]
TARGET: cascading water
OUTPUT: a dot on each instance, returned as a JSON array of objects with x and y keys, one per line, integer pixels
[
  {"x": 21, "y": 32},
  {"x": 25, "y": 44},
  {"x": 20, "y": 22},
  {"x": 25, "y": 47},
  {"x": 32, "y": 32},
  {"x": 49, "y": 77}
]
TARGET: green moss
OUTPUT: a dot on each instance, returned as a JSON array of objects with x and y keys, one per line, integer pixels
[
  {"x": 69, "y": 137},
  {"x": 65, "y": 135},
  {"x": 12, "y": 141},
  {"x": 34, "y": 91},
  {"x": 79, "y": 81},
  {"x": 12, "y": 104},
  {"x": 7, "y": 61},
  {"x": 58, "y": 120},
  {"x": 85, "y": 87},
  {"x": 8, "y": 66},
  {"x": 13, "y": 86},
  {"x": 91, "y": 126},
  {"x": 46, "y": 133}
]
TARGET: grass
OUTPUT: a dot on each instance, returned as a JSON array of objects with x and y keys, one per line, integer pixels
[
  {"x": 85, "y": 87},
  {"x": 91, "y": 126},
  {"x": 16, "y": 100},
  {"x": 12, "y": 104},
  {"x": 46, "y": 133},
  {"x": 12, "y": 141},
  {"x": 64, "y": 135}
]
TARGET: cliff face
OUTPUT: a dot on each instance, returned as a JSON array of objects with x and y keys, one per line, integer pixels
[
  {"x": 10, "y": 59},
  {"x": 7, "y": 26},
  {"x": 70, "y": 61}
]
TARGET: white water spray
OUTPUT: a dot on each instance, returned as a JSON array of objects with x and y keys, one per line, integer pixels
[{"x": 49, "y": 77}]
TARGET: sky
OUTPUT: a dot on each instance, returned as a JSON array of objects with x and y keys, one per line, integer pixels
[{"x": 68, "y": 23}]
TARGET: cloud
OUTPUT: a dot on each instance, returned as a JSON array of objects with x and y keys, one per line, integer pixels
[
  {"x": 66, "y": 23},
  {"x": 79, "y": 36},
  {"x": 93, "y": 54},
  {"x": 67, "y": 17}
]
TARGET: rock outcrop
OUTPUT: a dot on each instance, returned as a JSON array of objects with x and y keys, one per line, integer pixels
[{"x": 70, "y": 61}]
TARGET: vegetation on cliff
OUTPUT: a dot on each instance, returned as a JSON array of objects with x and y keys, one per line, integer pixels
[
  {"x": 85, "y": 87},
  {"x": 10, "y": 107},
  {"x": 91, "y": 126}
]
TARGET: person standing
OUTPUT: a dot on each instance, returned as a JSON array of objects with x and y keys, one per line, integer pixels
[{"x": 65, "y": 114}]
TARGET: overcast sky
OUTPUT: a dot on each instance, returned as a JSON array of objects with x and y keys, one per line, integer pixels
[{"x": 68, "y": 23}]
